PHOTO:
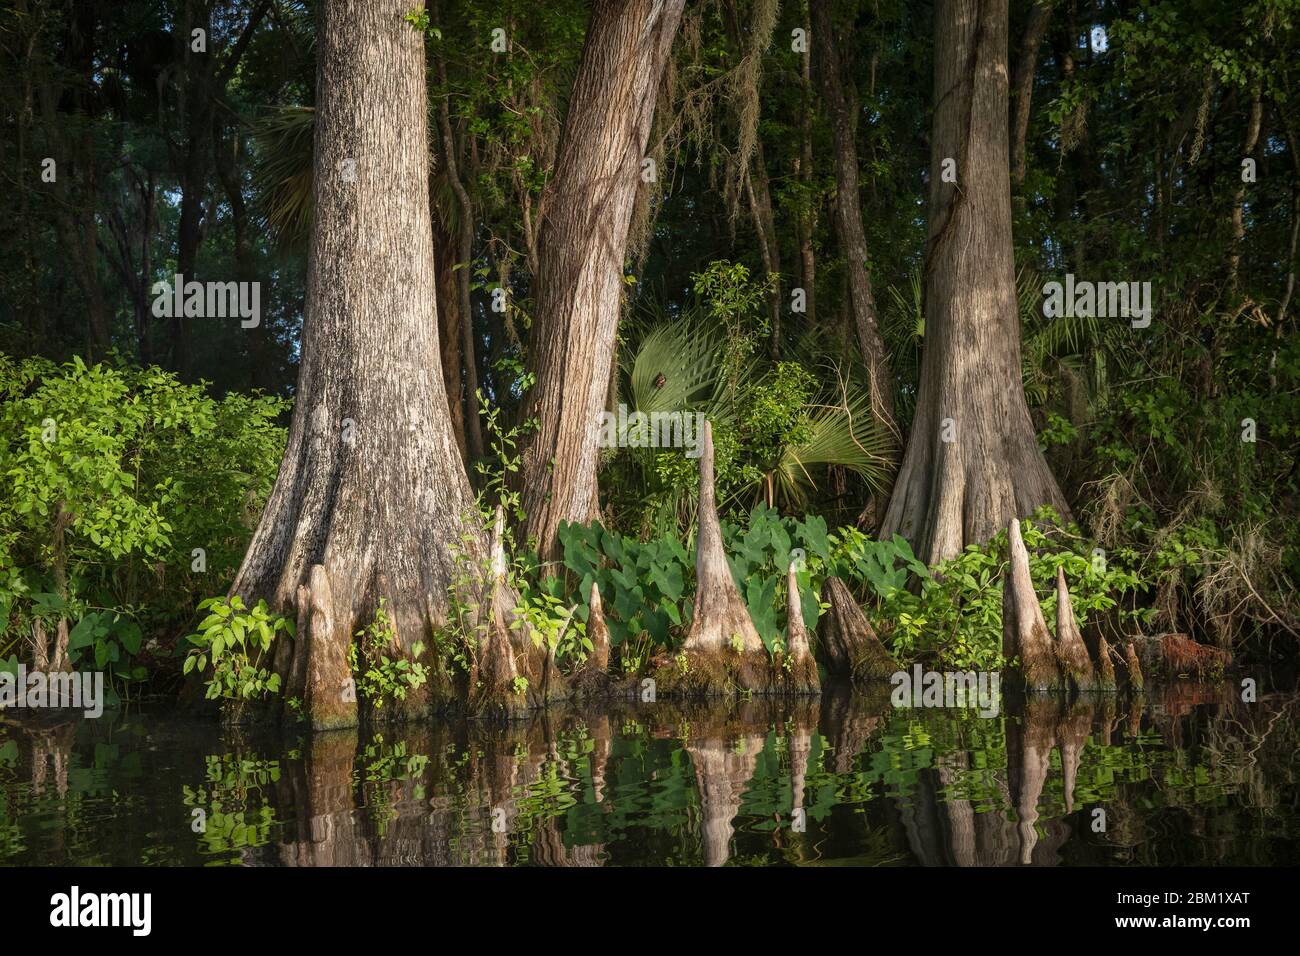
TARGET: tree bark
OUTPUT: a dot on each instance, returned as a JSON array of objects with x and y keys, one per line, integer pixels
[
  {"x": 760, "y": 210},
  {"x": 594, "y": 679},
  {"x": 472, "y": 441},
  {"x": 722, "y": 649},
  {"x": 808, "y": 212},
  {"x": 1105, "y": 667},
  {"x": 847, "y": 645},
  {"x": 842, "y": 109},
  {"x": 1135, "y": 682},
  {"x": 797, "y": 671},
  {"x": 1024, "y": 632},
  {"x": 262, "y": 374},
  {"x": 1071, "y": 654},
  {"x": 588, "y": 209},
  {"x": 450, "y": 320},
  {"x": 973, "y": 460},
  {"x": 76, "y": 184},
  {"x": 597, "y": 632},
  {"x": 371, "y": 494}
]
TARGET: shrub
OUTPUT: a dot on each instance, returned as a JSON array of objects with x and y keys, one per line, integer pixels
[{"x": 129, "y": 491}]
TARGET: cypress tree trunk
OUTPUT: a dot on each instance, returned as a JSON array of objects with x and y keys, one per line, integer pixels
[
  {"x": 449, "y": 332},
  {"x": 371, "y": 497},
  {"x": 973, "y": 461},
  {"x": 588, "y": 209}
]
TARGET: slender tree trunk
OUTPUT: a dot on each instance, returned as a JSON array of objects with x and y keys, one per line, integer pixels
[
  {"x": 808, "y": 212},
  {"x": 842, "y": 109},
  {"x": 131, "y": 253},
  {"x": 1035, "y": 29},
  {"x": 226, "y": 156},
  {"x": 473, "y": 438},
  {"x": 195, "y": 113},
  {"x": 973, "y": 461},
  {"x": 760, "y": 210},
  {"x": 450, "y": 320},
  {"x": 371, "y": 497},
  {"x": 75, "y": 220},
  {"x": 1239, "y": 199},
  {"x": 588, "y": 209}
]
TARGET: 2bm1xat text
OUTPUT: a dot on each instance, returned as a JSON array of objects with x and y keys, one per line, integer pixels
[{"x": 1194, "y": 897}]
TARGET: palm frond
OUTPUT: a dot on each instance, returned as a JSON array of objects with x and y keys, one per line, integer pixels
[
  {"x": 673, "y": 367},
  {"x": 844, "y": 434},
  {"x": 282, "y": 173}
]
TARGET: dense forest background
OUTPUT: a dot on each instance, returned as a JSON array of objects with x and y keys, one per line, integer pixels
[{"x": 782, "y": 271}]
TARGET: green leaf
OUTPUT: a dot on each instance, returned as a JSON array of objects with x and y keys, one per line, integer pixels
[
  {"x": 83, "y": 633},
  {"x": 130, "y": 636}
]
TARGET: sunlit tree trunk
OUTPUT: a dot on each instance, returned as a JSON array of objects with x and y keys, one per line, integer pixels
[
  {"x": 973, "y": 461},
  {"x": 582, "y": 240},
  {"x": 372, "y": 497}
]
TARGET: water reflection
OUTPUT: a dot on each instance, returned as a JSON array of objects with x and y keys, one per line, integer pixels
[{"x": 1189, "y": 775}]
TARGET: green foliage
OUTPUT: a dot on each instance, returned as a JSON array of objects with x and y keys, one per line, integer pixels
[
  {"x": 547, "y": 620},
  {"x": 381, "y": 671},
  {"x": 419, "y": 18},
  {"x": 775, "y": 415},
  {"x": 551, "y": 622},
  {"x": 235, "y": 640},
  {"x": 885, "y": 566},
  {"x": 503, "y": 460},
  {"x": 117, "y": 476},
  {"x": 760, "y": 554},
  {"x": 777, "y": 432},
  {"x": 106, "y": 641},
  {"x": 643, "y": 585},
  {"x": 1058, "y": 431},
  {"x": 955, "y": 621}
]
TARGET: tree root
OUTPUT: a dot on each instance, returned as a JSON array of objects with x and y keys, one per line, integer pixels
[
  {"x": 1048, "y": 665},
  {"x": 512, "y": 677},
  {"x": 847, "y": 646},
  {"x": 1024, "y": 632},
  {"x": 795, "y": 670},
  {"x": 1071, "y": 654},
  {"x": 723, "y": 652},
  {"x": 594, "y": 680},
  {"x": 1105, "y": 667},
  {"x": 1135, "y": 681}
]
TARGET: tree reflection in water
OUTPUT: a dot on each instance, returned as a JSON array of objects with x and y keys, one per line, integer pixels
[{"x": 1185, "y": 775}]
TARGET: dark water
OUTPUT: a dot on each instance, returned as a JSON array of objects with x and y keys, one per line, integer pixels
[{"x": 1188, "y": 775}]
